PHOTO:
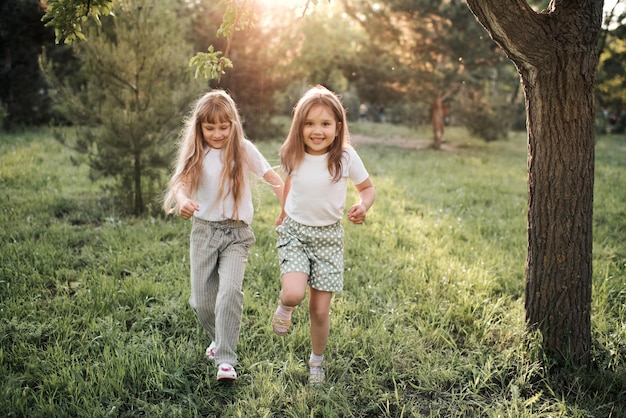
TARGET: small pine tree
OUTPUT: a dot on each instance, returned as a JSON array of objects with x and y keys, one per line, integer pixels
[{"x": 137, "y": 84}]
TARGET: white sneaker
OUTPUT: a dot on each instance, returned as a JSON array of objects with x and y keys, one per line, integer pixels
[
  {"x": 210, "y": 351},
  {"x": 316, "y": 374},
  {"x": 226, "y": 371}
]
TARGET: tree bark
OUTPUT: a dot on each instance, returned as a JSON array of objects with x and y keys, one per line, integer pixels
[
  {"x": 556, "y": 55},
  {"x": 138, "y": 200},
  {"x": 438, "y": 122}
]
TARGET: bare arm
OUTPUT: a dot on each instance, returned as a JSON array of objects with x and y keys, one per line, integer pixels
[
  {"x": 367, "y": 195},
  {"x": 274, "y": 180},
  {"x": 186, "y": 206},
  {"x": 286, "y": 189}
]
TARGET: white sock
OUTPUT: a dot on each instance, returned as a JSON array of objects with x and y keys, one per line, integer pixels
[
  {"x": 284, "y": 312},
  {"x": 315, "y": 359}
]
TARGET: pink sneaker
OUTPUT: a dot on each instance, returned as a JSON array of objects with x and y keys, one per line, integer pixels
[{"x": 225, "y": 372}]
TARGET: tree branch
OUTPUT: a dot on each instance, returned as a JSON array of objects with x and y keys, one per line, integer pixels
[{"x": 501, "y": 19}]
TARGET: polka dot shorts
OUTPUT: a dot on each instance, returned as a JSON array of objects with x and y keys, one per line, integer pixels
[{"x": 314, "y": 250}]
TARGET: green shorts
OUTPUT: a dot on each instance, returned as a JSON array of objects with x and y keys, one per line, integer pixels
[{"x": 314, "y": 250}]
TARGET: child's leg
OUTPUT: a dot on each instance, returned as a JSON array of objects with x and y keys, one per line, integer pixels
[
  {"x": 291, "y": 294},
  {"x": 204, "y": 277},
  {"x": 229, "y": 302},
  {"x": 319, "y": 310},
  {"x": 294, "y": 288}
]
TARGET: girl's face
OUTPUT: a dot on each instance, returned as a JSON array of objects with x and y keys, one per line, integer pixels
[
  {"x": 320, "y": 130},
  {"x": 216, "y": 134}
]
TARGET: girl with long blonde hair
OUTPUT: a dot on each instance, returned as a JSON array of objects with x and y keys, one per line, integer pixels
[{"x": 211, "y": 184}]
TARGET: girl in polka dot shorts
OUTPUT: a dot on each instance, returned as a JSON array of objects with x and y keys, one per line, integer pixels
[{"x": 318, "y": 159}]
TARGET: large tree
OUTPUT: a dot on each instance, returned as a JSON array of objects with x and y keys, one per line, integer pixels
[{"x": 555, "y": 52}]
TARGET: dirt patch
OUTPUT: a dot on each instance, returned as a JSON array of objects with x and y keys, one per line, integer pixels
[{"x": 399, "y": 142}]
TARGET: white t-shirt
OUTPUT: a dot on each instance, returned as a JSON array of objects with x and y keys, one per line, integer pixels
[
  {"x": 314, "y": 199},
  {"x": 215, "y": 208}
]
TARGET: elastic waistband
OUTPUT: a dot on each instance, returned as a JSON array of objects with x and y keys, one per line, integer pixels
[
  {"x": 225, "y": 224},
  {"x": 334, "y": 225}
]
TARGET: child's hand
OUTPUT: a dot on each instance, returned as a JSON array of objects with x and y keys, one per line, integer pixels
[
  {"x": 356, "y": 214},
  {"x": 187, "y": 208}
]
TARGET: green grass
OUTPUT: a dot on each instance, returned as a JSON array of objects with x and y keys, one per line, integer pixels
[{"x": 94, "y": 319}]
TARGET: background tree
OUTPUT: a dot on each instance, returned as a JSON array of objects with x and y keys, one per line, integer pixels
[
  {"x": 263, "y": 67},
  {"x": 136, "y": 86},
  {"x": 262, "y": 50},
  {"x": 489, "y": 94},
  {"x": 611, "y": 86},
  {"x": 436, "y": 48},
  {"x": 556, "y": 54},
  {"x": 23, "y": 90},
  {"x": 323, "y": 46},
  {"x": 405, "y": 62}
]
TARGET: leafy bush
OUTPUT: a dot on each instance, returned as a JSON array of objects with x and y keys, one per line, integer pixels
[{"x": 490, "y": 121}]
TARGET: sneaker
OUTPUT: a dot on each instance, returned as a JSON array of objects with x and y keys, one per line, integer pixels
[
  {"x": 317, "y": 374},
  {"x": 210, "y": 351},
  {"x": 226, "y": 371}
]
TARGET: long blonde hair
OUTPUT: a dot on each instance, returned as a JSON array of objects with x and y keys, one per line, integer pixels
[
  {"x": 293, "y": 149},
  {"x": 214, "y": 107}
]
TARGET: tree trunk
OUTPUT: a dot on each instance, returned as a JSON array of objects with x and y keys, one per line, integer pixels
[
  {"x": 556, "y": 56},
  {"x": 438, "y": 122},
  {"x": 560, "y": 203},
  {"x": 138, "y": 203}
]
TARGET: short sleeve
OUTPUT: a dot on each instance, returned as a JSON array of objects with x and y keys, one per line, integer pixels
[
  {"x": 257, "y": 162},
  {"x": 357, "y": 173}
]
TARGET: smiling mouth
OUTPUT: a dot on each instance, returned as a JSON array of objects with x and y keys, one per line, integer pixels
[{"x": 216, "y": 143}]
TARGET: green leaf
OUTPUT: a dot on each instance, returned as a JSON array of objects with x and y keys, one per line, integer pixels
[{"x": 211, "y": 65}]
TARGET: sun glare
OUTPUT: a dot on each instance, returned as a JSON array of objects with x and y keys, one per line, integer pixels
[
  {"x": 615, "y": 6},
  {"x": 298, "y": 5},
  {"x": 290, "y": 3}
]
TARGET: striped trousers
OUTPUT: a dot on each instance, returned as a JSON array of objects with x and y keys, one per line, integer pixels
[{"x": 218, "y": 258}]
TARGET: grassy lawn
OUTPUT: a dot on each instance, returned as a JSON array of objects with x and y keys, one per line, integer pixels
[{"x": 94, "y": 319}]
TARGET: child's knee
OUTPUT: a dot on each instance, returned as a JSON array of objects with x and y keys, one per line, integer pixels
[
  {"x": 291, "y": 297},
  {"x": 318, "y": 313},
  {"x": 293, "y": 289}
]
